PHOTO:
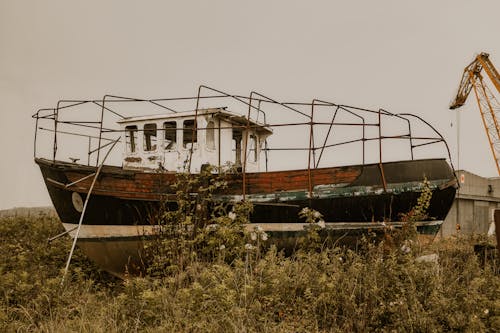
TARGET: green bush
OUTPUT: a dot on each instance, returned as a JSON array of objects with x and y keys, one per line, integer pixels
[{"x": 336, "y": 290}]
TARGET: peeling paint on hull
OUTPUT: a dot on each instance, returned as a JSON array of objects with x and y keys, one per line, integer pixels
[{"x": 126, "y": 199}]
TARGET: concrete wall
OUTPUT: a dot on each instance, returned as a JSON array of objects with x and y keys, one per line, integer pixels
[{"x": 476, "y": 200}]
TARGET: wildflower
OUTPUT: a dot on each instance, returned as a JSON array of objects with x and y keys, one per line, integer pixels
[
  {"x": 321, "y": 224},
  {"x": 316, "y": 214},
  {"x": 222, "y": 247},
  {"x": 304, "y": 211},
  {"x": 486, "y": 311},
  {"x": 263, "y": 236},
  {"x": 405, "y": 249},
  {"x": 232, "y": 216},
  {"x": 253, "y": 236},
  {"x": 249, "y": 247},
  {"x": 259, "y": 229},
  {"x": 212, "y": 227}
]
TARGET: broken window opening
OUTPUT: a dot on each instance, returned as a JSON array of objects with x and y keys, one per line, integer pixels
[
  {"x": 189, "y": 134},
  {"x": 210, "y": 135},
  {"x": 131, "y": 138},
  {"x": 236, "y": 146},
  {"x": 253, "y": 148},
  {"x": 149, "y": 137},
  {"x": 170, "y": 128}
]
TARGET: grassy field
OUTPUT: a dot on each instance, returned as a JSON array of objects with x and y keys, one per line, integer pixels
[{"x": 381, "y": 288}]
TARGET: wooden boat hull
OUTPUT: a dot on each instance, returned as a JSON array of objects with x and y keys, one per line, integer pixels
[{"x": 352, "y": 199}]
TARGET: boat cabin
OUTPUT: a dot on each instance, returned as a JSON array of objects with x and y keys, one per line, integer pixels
[{"x": 187, "y": 140}]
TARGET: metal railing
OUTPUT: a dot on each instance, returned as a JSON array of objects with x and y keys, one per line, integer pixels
[{"x": 252, "y": 108}]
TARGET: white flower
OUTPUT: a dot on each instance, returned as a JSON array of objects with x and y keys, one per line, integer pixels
[
  {"x": 212, "y": 227},
  {"x": 486, "y": 311},
  {"x": 263, "y": 236},
  {"x": 258, "y": 228},
  {"x": 316, "y": 214},
  {"x": 253, "y": 236},
  {"x": 232, "y": 215},
  {"x": 304, "y": 210},
  {"x": 405, "y": 249},
  {"x": 249, "y": 247},
  {"x": 321, "y": 224},
  {"x": 222, "y": 247}
]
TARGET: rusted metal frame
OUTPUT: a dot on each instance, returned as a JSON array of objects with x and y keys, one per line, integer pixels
[
  {"x": 100, "y": 129},
  {"x": 427, "y": 143},
  {"x": 51, "y": 239},
  {"x": 410, "y": 137},
  {"x": 103, "y": 146},
  {"x": 195, "y": 127},
  {"x": 325, "y": 103},
  {"x": 56, "y": 116},
  {"x": 108, "y": 109},
  {"x": 197, "y": 107},
  {"x": 382, "y": 174},
  {"x": 435, "y": 131},
  {"x": 348, "y": 142},
  {"x": 48, "y": 116},
  {"x": 67, "y": 122},
  {"x": 88, "y": 151},
  {"x": 285, "y": 105},
  {"x": 264, "y": 99},
  {"x": 265, "y": 140},
  {"x": 80, "y": 180},
  {"x": 245, "y": 145},
  {"x": 37, "y": 117},
  {"x": 75, "y": 134},
  {"x": 162, "y": 106},
  {"x": 311, "y": 147},
  {"x": 133, "y": 99},
  {"x": 327, "y": 135},
  {"x": 219, "y": 144},
  {"x": 245, "y": 148},
  {"x": 84, "y": 209}
]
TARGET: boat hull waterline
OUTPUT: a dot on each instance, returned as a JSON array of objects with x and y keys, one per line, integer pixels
[{"x": 352, "y": 200}]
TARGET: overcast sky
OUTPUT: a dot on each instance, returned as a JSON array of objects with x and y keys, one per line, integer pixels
[{"x": 403, "y": 56}]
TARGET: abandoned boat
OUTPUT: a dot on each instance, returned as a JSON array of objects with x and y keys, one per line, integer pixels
[{"x": 335, "y": 159}]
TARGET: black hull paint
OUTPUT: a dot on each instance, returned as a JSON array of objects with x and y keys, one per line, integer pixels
[{"x": 351, "y": 207}]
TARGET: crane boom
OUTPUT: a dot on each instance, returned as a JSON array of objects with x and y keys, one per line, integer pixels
[{"x": 489, "y": 108}]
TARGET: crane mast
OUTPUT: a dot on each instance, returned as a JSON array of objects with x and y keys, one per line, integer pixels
[{"x": 489, "y": 108}]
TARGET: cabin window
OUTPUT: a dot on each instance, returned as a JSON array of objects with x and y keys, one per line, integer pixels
[
  {"x": 236, "y": 146},
  {"x": 210, "y": 135},
  {"x": 189, "y": 135},
  {"x": 131, "y": 138},
  {"x": 149, "y": 137},
  {"x": 253, "y": 148},
  {"x": 170, "y": 128}
]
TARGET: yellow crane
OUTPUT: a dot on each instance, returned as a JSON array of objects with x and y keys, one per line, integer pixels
[{"x": 488, "y": 104}]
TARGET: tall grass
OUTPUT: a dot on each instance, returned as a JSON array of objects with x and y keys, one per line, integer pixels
[{"x": 333, "y": 290}]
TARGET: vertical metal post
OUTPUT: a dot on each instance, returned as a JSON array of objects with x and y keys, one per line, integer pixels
[
  {"x": 36, "y": 131},
  {"x": 88, "y": 153},
  {"x": 56, "y": 116},
  {"x": 245, "y": 147},
  {"x": 382, "y": 174},
  {"x": 309, "y": 151},
  {"x": 195, "y": 129},
  {"x": 100, "y": 130}
]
